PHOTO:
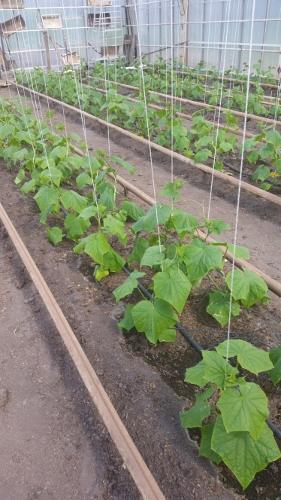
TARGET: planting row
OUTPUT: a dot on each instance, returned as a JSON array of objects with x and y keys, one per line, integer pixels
[
  {"x": 201, "y": 142},
  {"x": 160, "y": 77},
  {"x": 160, "y": 246}
]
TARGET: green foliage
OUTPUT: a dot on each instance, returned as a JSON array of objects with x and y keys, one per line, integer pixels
[
  {"x": 200, "y": 258},
  {"x": 232, "y": 412},
  {"x": 219, "y": 307},
  {"x": 55, "y": 235},
  {"x": 128, "y": 286},
  {"x": 247, "y": 287},
  {"x": 275, "y": 357},
  {"x": 172, "y": 286},
  {"x": 155, "y": 319}
]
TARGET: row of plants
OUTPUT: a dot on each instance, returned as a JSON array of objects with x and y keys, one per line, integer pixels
[
  {"x": 258, "y": 74},
  {"x": 79, "y": 202},
  {"x": 201, "y": 142},
  {"x": 161, "y": 77}
]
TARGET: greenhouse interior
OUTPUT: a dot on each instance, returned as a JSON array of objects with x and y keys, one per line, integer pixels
[{"x": 140, "y": 249}]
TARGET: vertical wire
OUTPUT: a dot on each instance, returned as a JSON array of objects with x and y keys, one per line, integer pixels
[
  {"x": 219, "y": 111},
  {"x": 83, "y": 122},
  {"x": 240, "y": 176},
  {"x": 148, "y": 127},
  {"x": 172, "y": 94}
]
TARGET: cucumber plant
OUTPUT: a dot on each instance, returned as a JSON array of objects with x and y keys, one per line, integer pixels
[{"x": 232, "y": 410}]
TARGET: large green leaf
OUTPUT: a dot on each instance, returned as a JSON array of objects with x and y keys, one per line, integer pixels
[
  {"x": 183, "y": 222},
  {"x": 47, "y": 199},
  {"x": 244, "y": 408},
  {"x": 195, "y": 374},
  {"x": 51, "y": 175},
  {"x": 153, "y": 256},
  {"x": 198, "y": 412},
  {"x": 200, "y": 258},
  {"x": 158, "y": 214},
  {"x": 248, "y": 287},
  {"x": 132, "y": 210},
  {"x": 218, "y": 370},
  {"x": 95, "y": 245},
  {"x": 128, "y": 286},
  {"x": 275, "y": 373},
  {"x": 251, "y": 358},
  {"x": 172, "y": 286},
  {"x": 219, "y": 307},
  {"x": 73, "y": 201},
  {"x": 242, "y": 454},
  {"x": 155, "y": 319},
  {"x": 75, "y": 226},
  {"x": 115, "y": 227},
  {"x": 205, "y": 449}
]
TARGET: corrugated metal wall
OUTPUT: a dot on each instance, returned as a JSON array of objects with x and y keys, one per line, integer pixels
[
  {"x": 27, "y": 47},
  {"x": 218, "y": 31},
  {"x": 215, "y": 31}
]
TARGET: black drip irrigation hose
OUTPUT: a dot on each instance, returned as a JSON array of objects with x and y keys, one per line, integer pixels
[{"x": 195, "y": 344}]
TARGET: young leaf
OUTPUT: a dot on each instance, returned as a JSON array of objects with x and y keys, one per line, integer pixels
[
  {"x": 115, "y": 227},
  {"x": 244, "y": 408},
  {"x": 275, "y": 373},
  {"x": 140, "y": 246},
  {"x": 172, "y": 286},
  {"x": 73, "y": 201},
  {"x": 47, "y": 199},
  {"x": 127, "y": 323},
  {"x": 83, "y": 180},
  {"x": 242, "y": 454},
  {"x": 205, "y": 449},
  {"x": 172, "y": 189},
  {"x": 156, "y": 214},
  {"x": 219, "y": 307},
  {"x": 195, "y": 374},
  {"x": 218, "y": 370},
  {"x": 95, "y": 245},
  {"x": 51, "y": 175},
  {"x": 248, "y": 287},
  {"x": 153, "y": 256},
  {"x": 55, "y": 235},
  {"x": 200, "y": 258},
  {"x": 128, "y": 286},
  {"x": 183, "y": 222},
  {"x": 132, "y": 210},
  {"x": 28, "y": 186},
  {"x": 216, "y": 226},
  {"x": 100, "y": 273},
  {"x": 154, "y": 319},
  {"x": 75, "y": 226},
  {"x": 249, "y": 357},
  {"x": 20, "y": 177},
  {"x": 261, "y": 173},
  {"x": 198, "y": 412}
]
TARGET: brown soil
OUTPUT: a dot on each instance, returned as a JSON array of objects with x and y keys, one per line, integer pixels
[{"x": 147, "y": 402}]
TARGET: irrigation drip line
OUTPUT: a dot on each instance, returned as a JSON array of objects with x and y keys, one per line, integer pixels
[
  {"x": 179, "y": 327},
  {"x": 197, "y": 347}
]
